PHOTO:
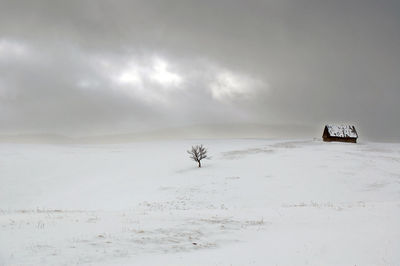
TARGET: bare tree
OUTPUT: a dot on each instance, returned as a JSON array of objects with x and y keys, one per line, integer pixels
[{"x": 198, "y": 153}]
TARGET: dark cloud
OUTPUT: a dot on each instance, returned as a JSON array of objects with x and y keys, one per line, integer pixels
[{"x": 85, "y": 67}]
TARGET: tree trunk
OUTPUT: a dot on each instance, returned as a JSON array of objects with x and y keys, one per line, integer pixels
[{"x": 199, "y": 164}]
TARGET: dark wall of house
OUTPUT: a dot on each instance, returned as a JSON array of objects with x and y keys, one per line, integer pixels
[
  {"x": 327, "y": 138},
  {"x": 325, "y": 134}
]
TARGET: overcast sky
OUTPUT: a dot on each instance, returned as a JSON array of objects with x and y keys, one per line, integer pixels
[{"x": 96, "y": 67}]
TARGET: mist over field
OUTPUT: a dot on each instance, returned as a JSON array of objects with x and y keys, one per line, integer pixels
[{"x": 220, "y": 131}]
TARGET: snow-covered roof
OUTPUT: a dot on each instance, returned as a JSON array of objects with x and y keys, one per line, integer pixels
[{"x": 342, "y": 131}]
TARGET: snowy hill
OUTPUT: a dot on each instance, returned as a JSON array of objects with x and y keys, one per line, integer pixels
[{"x": 256, "y": 202}]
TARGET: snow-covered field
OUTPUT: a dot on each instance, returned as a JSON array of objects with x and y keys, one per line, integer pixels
[{"x": 256, "y": 202}]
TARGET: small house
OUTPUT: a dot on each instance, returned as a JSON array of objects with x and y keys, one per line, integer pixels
[{"x": 343, "y": 133}]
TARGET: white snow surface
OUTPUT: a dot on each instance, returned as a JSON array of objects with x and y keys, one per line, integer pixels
[
  {"x": 256, "y": 202},
  {"x": 342, "y": 131}
]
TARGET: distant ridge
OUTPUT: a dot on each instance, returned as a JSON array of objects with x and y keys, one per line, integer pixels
[
  {"x": 36, "y": 138},
  {"x": 189, "y": 132}
]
